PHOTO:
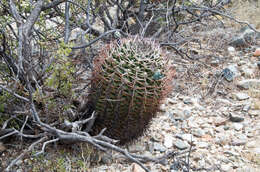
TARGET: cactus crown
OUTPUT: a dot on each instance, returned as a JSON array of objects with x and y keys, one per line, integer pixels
[{"x": 130, "y": 80}]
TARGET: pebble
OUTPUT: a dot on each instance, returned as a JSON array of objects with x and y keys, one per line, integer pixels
[
  {"x": 136, "y": 148},
  {"x": 249, "y": 83},
  {"x": 246, "y": 108},
  {"x": 257, "y": 52},
  {"x": 136, "y": 168},
  {"x": 187, "y": 101},
  {"x": 237, "y": 126},
  {"x": 168, "y": 141},
  {"x": 238, "y": 142},
  {"x": 254, "y": 112},
  {"x": 241, "y": 96},
  {"x": 235, "y": 118},
  {"x": 220, "y": 121},
  {"x": 2, "y": 147},
  {"x": 202, "y": 144},
  {"x": 159, "y": 147},
  {"x": 181, "y": 144},
  {"x": 199, "y": 132},
  {"x": 106, "y": 159},
  {"x": 231, "y": 49},
  {"x": 230, "y": 72},
  {"x": 226, "y": 167}
]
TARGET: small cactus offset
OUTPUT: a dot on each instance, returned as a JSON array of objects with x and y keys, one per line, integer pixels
[{"x": 129, "y": 82}]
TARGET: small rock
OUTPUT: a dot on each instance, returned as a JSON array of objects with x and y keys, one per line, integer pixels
[
  {"x": 188, "y": 137},
  {"x": 136, "y": 168},
  {"x": 176, "y": 166},
  {"x": 257, "y": 52},
  {"x": 199, "y": 132},
  {"x": 237, "y": 126},
  {"x": 230, "y": 72},
  {"x": 202, "y": 145},
  {"x": 238, "y": 142},
  {"x": 215, "y": 62},
  {"x": 168, "y": 141},
  {"x": 222, "y": 139},
  {"x": 251, "y": 144},
  {"x": 163, "y": 108},
  {"x": 249, "y": 35},
  {"x": 238, "y": 42},
  {"x": 106, "y": 159},
  {"x": 187, "y": 101},
  {"x": 171, "y": 101},
  {"x": 136, "y": 148},
  {"x": 247, "y": 71},
  {"x": 231, "y": 153},
  {"x": 241, "y": 96},
  {"x": 226, "y": 167},
  {"x": 231, "y": 49},
  {"x": 2, "y": 147},
  {"x": 246, "y": 108},
  {"x": 220, "y": 121},
  {"x": 254, "y": 112},
  {"x": 181, "y": 144},
  {"x": 258, "y": 64},
  {"x": 159, "y": 147},
  {"x": 249, "y": 83},
  {"x": 235, "y": 118}
]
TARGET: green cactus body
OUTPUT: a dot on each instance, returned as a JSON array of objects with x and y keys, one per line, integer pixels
[{"x": 129, "y": 82}]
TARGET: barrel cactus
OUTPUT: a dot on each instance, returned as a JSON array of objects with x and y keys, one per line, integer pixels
[{"x": 130, "y": 79}]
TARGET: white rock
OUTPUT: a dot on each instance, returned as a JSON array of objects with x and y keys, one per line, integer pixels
[
  {"x": 168, "y": 141},
  {"x": 241, "y": 96},
  {"x": 249, "y": 83},
  {"x": 202, "y": 145},
  {"x": 231, "y": 49},
  {"x": 237, "y": 126}
]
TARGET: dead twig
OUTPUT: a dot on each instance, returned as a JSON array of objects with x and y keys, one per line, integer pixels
[{"x": 24, "y": 153}]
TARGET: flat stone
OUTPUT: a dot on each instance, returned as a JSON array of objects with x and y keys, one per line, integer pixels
[
  {"x": 2, "y": 147},
  {"x": 136, "y": 148},
  {"x": 235, "y": 118},
  {"x": 159, "y": 147},
  {"x": 231, "y": 153},
  {"x": 168, "y": 141},
  {"x": 247, "y": 72},
  {"x": 136, "y": 168},
  {"x": 230, "y": 72},
  {"x": 106, "y": 159},
  {"x": 241, "y": 96},
  {"x": 238, "y": 42},
  {"x": 251, "y": 144},
  {"x": 249, "y": 83},
  {"x": 231, "y": 49},
  {"x": 202, "y": 145},
  {"x": 238, "y": 142},
  {"x": 199, "y": 132},
  {"x": 226, "y": 167},
  {"x": 181, "y": 144},
  {"x": 220, "y": 121},
  {"x": 246, "y": 108},
  {"x": 187, "y": 101},
  {"x": 257, "y": 52},
  {"x": 237, "y": 126},
  {"x": 254, "y": 112}
]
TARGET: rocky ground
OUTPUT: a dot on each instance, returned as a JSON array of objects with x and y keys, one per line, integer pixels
[{"x": 214, "y": 110}]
